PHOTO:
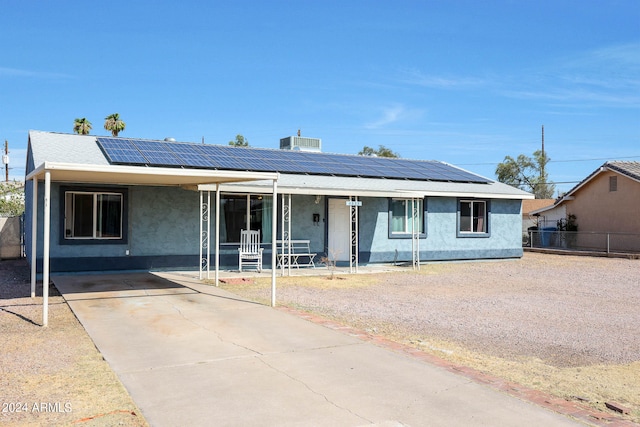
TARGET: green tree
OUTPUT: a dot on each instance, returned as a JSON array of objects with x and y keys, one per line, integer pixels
[
  {"x": 382, "y": 151},
  {"x": 82, "y": 126},
  {"x": 114, "y": 124},
  {"x": 240, "y": 141},
  {"x": 528, "y": 174},
  {"x": 11, "y": 199}
]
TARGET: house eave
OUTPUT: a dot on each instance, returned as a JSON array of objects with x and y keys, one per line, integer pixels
[
  {"x": 142, "y": 175},
  {"x": 391, "y": 192}
]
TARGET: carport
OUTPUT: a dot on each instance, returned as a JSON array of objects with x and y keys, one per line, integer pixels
[{"x": 191, "y": 179}]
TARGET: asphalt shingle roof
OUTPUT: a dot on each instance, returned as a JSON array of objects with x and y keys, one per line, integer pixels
[{"x": 84, "y": 149}]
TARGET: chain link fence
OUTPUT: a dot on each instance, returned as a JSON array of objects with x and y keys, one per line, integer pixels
[{"x": 551, "y": 238}]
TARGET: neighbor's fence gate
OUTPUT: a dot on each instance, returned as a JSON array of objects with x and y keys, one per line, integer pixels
[{"x": 584, "y": 241}]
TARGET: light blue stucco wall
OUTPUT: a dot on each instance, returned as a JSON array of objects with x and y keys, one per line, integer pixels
[
  {"x": 163, "y": 224},
  {"x": 163, "y": 221},
  {"x": 303, "y": 208},
  {"x": 442, "y": 241},
  {"x": 163, "y": 231}
]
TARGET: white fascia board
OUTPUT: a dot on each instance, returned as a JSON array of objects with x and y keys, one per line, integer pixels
[
  {"x": 480, "y": 195},
  {"x": 35, "y": 173},
  {"x": 205, "y": 175},
  {"x": 314, "y": 191},
  {"x": 318, "y": 191}
]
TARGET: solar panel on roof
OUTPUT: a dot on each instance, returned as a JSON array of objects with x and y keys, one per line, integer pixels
[
  {"x": 157, "y": 153},
  {"x": 164, "y": 153},
  {"x": 190, "y": 155},
  {"x": 121, "y": 151}
]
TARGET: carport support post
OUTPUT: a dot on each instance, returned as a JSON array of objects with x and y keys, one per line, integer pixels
[
  {"x": 45, "y": 254},
  {"x": 274, "y": 248},
  {"x": 217, "y": 234},
  {"x": 34, "y": 237},
  {"x": 415, "y": 232}
]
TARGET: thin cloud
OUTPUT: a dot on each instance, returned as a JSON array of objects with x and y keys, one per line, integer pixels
[
  {"x": 393, "y": 114},
  {"x": 607, "y": 76},
  {"x": 625, "y": 54},
  {"x": 417, "y": 78},
  {"x": 577, "y": 97},
  {"x": 16, "y": 72}
]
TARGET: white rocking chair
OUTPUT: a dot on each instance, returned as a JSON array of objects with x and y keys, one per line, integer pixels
[{"x": 250, "y": 252}]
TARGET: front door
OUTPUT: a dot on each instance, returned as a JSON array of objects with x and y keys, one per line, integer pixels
[{"x": 339, "y": 233}]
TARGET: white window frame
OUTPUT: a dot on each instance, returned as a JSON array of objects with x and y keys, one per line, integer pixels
[
  {"x": 473, "y": 218},
  {"x": 70, "y": 212},
  {"x": 407, "y": 218}
]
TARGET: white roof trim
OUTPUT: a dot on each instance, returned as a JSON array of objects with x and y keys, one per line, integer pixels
[
  {"x": 316, "y": 191},
  {"x": 120, "y": 174},
  {"x": 283, "y": 188}
]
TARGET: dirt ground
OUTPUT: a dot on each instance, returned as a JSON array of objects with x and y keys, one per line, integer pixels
[
  {"x": 53, "y": 375},
  {"x": 565, "y": 325}
]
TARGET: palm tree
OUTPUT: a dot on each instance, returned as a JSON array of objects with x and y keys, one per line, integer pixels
[
  {"x": 114, "y": 124},
  {"x": 82, "y": 126}
]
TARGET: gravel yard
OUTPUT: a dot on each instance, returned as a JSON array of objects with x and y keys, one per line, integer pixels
[
  {"x": 565, "y": 311},
  {"x": 55, "y": 375},
  {"x": 566, "y": 324}
]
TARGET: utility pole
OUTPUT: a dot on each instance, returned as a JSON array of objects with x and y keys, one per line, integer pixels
[
  {"x": 543, "y": 158},
  {"x": 5, "y": 160}
]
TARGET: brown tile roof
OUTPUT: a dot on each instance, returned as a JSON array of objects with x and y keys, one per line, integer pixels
[
  {"x": 535, "y": 204},
  {"x": 630, "y": 169}
]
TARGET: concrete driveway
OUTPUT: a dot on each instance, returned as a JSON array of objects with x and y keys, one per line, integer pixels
[{"x": 192, "y": 354}]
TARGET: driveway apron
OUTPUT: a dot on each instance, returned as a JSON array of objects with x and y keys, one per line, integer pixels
[{"x": 193, "y": 354}]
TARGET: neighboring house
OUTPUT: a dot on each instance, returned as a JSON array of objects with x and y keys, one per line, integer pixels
[
  {"x": 528, "y": 206},
  {"x": 133, "y": 204},
  {"x": 605, "y": 202}
]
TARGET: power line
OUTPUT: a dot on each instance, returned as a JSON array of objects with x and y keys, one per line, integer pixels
[
  {"x": 590, "y": 160},
  {"x": 554, "y": 161}
]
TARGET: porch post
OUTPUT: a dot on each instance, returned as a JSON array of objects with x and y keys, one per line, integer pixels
[
  {"x": 217, "y": 234},
  {"x": 274, "y": 249},
  {"x": 205, "y": 234},
  {"x": 200, "y": 259},
  {"x": 286, "y": 234},
  {"x": 34, "y": 237},
  {"x": 209, "y": 234},
  {"x": 45, "y": 253},
  {"x": 415, "y": 232},
  {"x": 353, "y": 234}
]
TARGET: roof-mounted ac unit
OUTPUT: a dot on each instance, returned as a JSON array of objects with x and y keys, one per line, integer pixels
[{"x": 301, "y": 143}]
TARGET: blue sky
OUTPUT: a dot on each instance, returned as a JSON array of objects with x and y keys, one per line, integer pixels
[{"x": 465, "y": 82}]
